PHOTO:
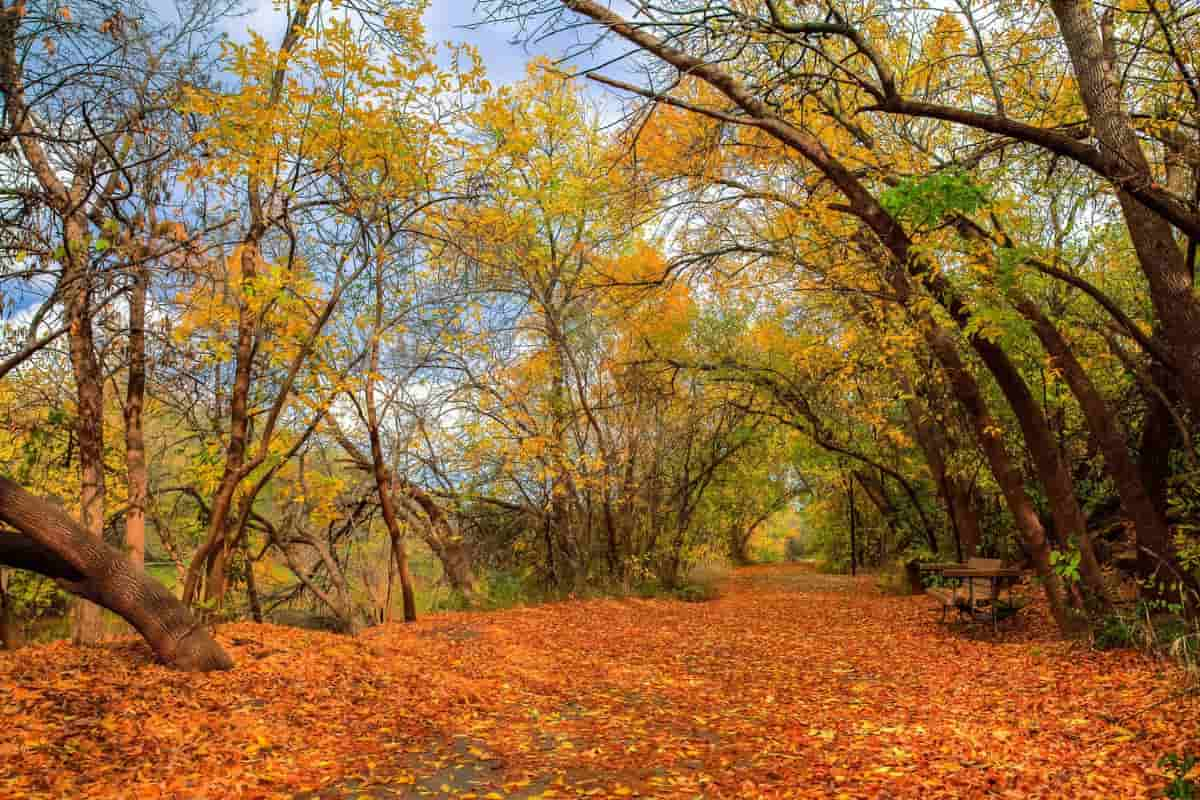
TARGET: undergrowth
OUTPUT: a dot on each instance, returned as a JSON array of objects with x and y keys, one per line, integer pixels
[{"x": 1147, "y": 627}]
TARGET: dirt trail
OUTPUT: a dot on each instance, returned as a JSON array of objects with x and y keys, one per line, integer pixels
[{"x": 792, "y": 684}]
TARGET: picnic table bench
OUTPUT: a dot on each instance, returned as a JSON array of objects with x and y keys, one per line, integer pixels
[{"x": 977, "y": 595}]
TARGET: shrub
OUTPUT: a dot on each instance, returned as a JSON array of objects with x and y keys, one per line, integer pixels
[
  {"x": 37, "y": 606},
  {"x": 450, "y": 601},
  {"x": 702, "y": 583},
  {"x": 1176, "y": 637},
  {"x": 1169, "y": 628},
  {"x": 1165, "y": 634},
  {"x": 794, "y": 549},
  {"x": 768, "y": 555},
  {"x": 1115, "y": 632},
  {"x": 894, "y": 579},
  {"x": 508, "y": 589},
  {"x": 697, "y": 593},
  {"x": 1180, "y": 766}
]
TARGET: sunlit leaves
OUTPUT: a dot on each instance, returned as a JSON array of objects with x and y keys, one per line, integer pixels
[{"x": 934, "y": 200}]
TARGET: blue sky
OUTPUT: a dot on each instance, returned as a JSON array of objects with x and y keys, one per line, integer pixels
[
  {"x": 506, "y": 59},
  {"x": 452, "y": 20},
  {"x": 446, "y": 20}
]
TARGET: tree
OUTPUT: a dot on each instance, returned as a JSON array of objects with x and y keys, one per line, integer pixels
[
  {"x": 320, "y": 132},
  {"x": 79, "y": 179}
]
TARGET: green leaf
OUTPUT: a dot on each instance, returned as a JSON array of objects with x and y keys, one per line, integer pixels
[{"x": 926, "y": 202}]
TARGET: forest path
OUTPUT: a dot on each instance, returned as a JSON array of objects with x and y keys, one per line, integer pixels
[{"x": 791, "y": 684}]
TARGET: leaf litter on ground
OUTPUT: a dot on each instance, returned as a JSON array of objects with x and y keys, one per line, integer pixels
[{"x": 790, "y": 685}]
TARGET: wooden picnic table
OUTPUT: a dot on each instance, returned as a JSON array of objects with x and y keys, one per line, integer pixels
[
  {"x": 995, "y": 573},
  {"x": 998, "y": 576},
  {"x": 939, "y": 566}
]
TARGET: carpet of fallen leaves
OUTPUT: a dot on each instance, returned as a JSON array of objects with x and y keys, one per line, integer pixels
[{"x": 792, "y": 684}]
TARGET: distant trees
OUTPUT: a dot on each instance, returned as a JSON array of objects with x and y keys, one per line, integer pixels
[{"x": 606, "y": 459}]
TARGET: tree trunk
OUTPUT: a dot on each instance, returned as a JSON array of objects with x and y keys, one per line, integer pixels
[
  {"x": 1150, "y": 523},
  {"x": 406, "y": 583},
  {"x": 457, "y": 569},
  {"x": 210, "y": 559},
  {"x": 1069, "y": 520},
  {"x": 739, "y": 546},
  {"x": 52, "y": 544},
  {"x": 379, "y": 468},
  {"x": 853, "y": 526},
  {"x": 385, "y": 614},
  {"x": 252, "y": 598},
  {"x": 1070, "y": 523},
  {"x": 966, "y": 515},
  {"x": 395, "y": 535},
  {"x": 89, "y": 398},
  {"x": 1007, "y": 476},
  {"x": 213, "y": 554},
  {"x": 448, "y": 545},
  {"x": 74, "y": 286},
  {"x": 935, "y": 444},
  {"x": 1159, "y": 438},
  {"x": 1171, "y": 282},
  {"x": 10, "y": 631},
  {"x": 877, "y": 493},
  {"x": 135, "y": 443}
]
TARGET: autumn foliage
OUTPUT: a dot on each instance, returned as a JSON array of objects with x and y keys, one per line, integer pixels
[{"x": 310, "y": 324}]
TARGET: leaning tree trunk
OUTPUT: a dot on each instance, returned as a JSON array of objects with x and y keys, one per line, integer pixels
[
  {"x": 1051, "y": 467},
  {"x": 445, "y": 542},
  {"x": 1176, "y": 306},
  {"x": 877, "y": 493},
  {"x": 739, "y": 545},
  {"x": 936, "y": 445},
  {"x": 1152, "y": 532},
  {"x": 52, "y": 544},
  {"x": 1007, "y": 476},
  {"x": 455, "y": 558},
  {"x": 1069, "y": 519}
]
